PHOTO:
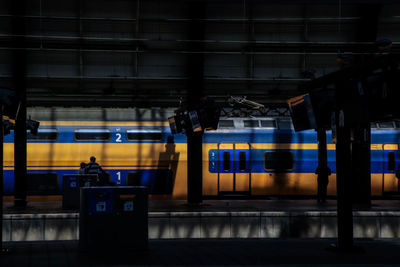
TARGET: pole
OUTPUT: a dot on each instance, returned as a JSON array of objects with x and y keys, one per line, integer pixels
[
  {"x": 19, "y": 84},
  {"x": 343, "y": 183},
  {"x": 361, "y": 164},
  {"x": 195, "y": 88},
  {"x": 195, "y": 168},
  {"x": 323, "y": 174},
  {"x": 322, "y": 151}
]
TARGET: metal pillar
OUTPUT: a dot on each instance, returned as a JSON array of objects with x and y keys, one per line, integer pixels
[
  {"x": 343, "y": 182},
  {"x": 361, "y": 164},
  {"x": 19, "y": 84},
  {"x": 195, "y": 168},
  {"x": 322, "y": 170},
  {"x": 366, "y": 31},
  {"x": 195, "y": 87},
  {"x": 322, "y": 150},
  {"x": 20, "y": 174}
]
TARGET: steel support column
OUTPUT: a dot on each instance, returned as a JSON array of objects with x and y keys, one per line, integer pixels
[
  {"x": 322, "y": 151},
  {"x": 361, "y": 164},
  {"x": 195, "y": 89},
  {"x": 322, "y": 170},
  {"x": 367, "y": 29},
  {"x": 19, "y": 84},
  {"x": 343, "y": 182},
  {"x": 195, "y": 172}
]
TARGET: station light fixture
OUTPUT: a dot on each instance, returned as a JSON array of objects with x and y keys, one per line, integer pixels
[
  {"x": 10, "y": 102},
  {"x": 344, "y": 59},
  {"x": 309, "y": 73},
  {"x": 7, "y": 127},
  {"x": 384, "y": 44},
  {"x": 32, "y": 126},
  {"x": 204, "y": 116}
]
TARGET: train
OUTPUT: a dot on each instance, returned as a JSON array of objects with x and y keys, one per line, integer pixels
[{"x": 250, "y": 157}]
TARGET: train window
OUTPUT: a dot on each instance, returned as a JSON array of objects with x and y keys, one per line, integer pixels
[
  {"x": 391, "y": 165},
  {"x": 42, "y": 183},
  {"x": 242, "y": 161},
  {"x": 134, "y": 179},
  {"x": 251, "y": 123},
  {"x": 144, "y": 134},
  {"x": 268, "y": 124},
  {"x": 386, "y": 125},
  {"x": 285, "y": 124},
  {"x": 92, "y": 134},
  {"x": 43, "y": 134},
  {"x": 226, "y": 157},
  {"x": 278, "y": 161},
  {"x": 226, "y": 124}
]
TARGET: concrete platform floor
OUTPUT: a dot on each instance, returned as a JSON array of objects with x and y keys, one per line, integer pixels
[
  {"x": 209, "y": 252},
  {"x": 217, "y": 206}
]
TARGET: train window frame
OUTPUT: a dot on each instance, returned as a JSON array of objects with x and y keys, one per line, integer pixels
[
  {"x": 283, "y": 121},
  {"x": 33, "y": 184},
  {"x": 242, "y": 161},
  {"x": 280, "y": 170},
  {"x": 391, "y": 162},
  {"x": 387, "y": 122},
  {"x": 251, "y": 126},
  {"x": 226, "y": 161},
  {"x": 269, "y": 127},
  {"x": 136, "y": 178},
  {"x": 43, "y": 139},
  {"x": 100, "y": 140},
  {"x": 226, "y": 127},
  {"x": 144, "y": 130}
]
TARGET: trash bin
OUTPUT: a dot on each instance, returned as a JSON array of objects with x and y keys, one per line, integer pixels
[
  {"x": 113, "y": 218},
  {"x": 71, "y": 185}
]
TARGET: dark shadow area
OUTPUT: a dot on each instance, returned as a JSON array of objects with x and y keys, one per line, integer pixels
[
  {"x": 162, "y": 179},
  {"x": 279, "y": 174},
  {"x": 217, "y": 252},
  {"x": 168, "y": 161},
  {"x": 40, "y": 183}
]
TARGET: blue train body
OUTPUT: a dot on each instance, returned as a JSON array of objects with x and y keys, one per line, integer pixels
[{"x": 301, "y": 146}]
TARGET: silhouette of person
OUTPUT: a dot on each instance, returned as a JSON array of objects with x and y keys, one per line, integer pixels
[
  {"x": 94, "y": 168},
  {"x": 82, "y": 168},
  {"x": 323, "y": 181},
  {"x": 166, "y": 169}
]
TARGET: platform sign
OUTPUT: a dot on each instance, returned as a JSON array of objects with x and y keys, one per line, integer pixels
[{"x": 100, "y": 200}]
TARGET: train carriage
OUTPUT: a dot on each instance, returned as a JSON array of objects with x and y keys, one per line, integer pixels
[{"x": 248, "y": 157}]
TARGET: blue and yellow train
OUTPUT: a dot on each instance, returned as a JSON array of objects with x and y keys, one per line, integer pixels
[{"x": 245, "y": 156}]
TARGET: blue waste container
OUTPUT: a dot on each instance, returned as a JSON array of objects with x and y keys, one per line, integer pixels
[
  {"x": 71, "y": 188},
  {"x": 113, "y": 218}
]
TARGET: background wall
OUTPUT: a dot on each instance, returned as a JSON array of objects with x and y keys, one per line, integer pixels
[{"x": 135, "y": 53}]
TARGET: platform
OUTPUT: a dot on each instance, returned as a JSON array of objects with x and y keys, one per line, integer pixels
[
  {"x": 215, "y": 219},
  {"x": 209, "y": 252}
]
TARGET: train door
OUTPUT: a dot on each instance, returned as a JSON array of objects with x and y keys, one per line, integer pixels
[
  {"x": 390, "y": 166},
  {"x": 234, "y": 175}
]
